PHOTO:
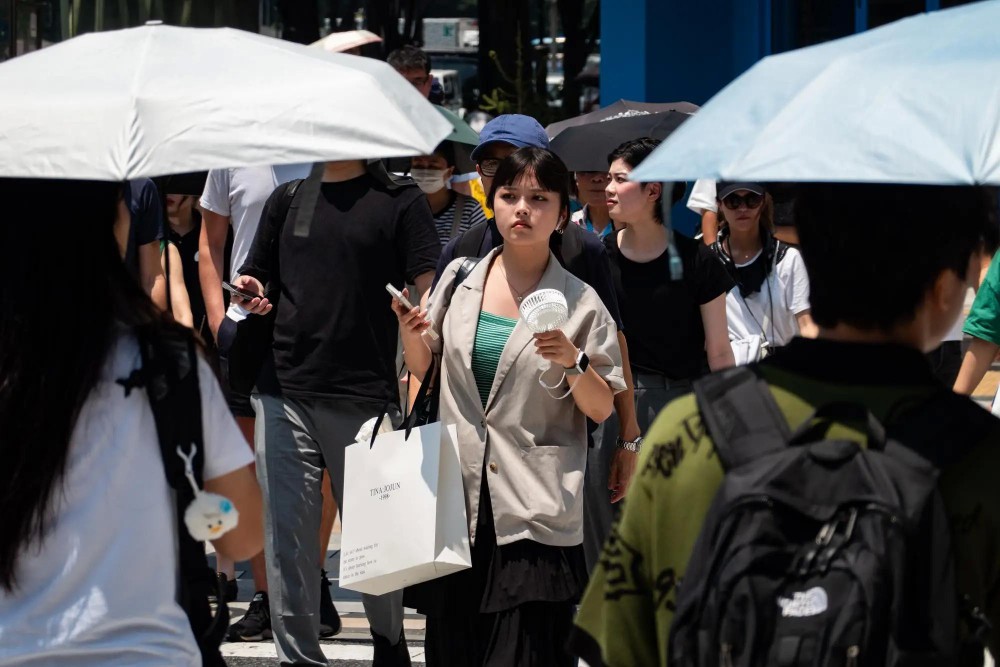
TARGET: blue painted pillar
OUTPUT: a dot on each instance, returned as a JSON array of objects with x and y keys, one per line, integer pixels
[
  {"x": 671, "y": 50},
  {"x": 625, "y": 55}
]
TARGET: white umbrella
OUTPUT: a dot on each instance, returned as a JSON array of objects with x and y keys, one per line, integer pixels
[
  {"x": 337, "y": 42},
  {"x": 161, "y": 100},
  {"x": 917, "y": 101}
]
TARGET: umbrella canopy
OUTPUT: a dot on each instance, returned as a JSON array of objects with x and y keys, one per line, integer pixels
[
  {"x": 586, "y": 147},
  {"x": 337, "y": 42},
  {"x": 911, "y": 102},
  {"x": 162, "y": 100},
  {"x": 462, "y": 133},
  {"x": 620, "y": 109}
]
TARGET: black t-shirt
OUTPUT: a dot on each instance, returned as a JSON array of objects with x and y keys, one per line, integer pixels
[
  {"x": 335, "y": 333},
  {"x": 579, "y": 251},
  {"x": 146, "y": 224},
  {"x": 663, "y": 318}
]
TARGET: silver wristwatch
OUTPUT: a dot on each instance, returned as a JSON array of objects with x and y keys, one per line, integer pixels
[
  {"x": 582, "y": 363},
  {"x": 630, "y": 445}
]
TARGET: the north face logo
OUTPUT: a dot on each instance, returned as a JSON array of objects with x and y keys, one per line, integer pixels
[{"x": 810, "y": 603}]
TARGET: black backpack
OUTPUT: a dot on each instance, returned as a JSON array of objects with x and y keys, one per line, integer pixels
[
  {"x": 815, "y": 551},
  {"x": 170, "y": 375}
]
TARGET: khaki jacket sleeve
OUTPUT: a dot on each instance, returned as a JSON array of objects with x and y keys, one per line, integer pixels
[
  {"x": 438, "y": 303},
  {"x": 605, "y": 354}
]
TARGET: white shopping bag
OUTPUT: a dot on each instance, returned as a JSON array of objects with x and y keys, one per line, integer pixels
[{"x": 404, "y": 516}]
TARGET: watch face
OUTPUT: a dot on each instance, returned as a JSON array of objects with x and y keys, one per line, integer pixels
[{"x": 583, "y": 362}]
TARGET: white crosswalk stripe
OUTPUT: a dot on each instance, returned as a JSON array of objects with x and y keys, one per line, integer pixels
[{"x": 333, "y": 651}]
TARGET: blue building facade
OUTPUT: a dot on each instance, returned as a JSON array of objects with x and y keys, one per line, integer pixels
[
  {"x": 672, "y": 50},
  {"x": 688, "y": 50}
]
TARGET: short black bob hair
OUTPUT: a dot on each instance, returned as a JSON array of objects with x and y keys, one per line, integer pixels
[
  {"x": 633, "y": 152},
  {"x": 872, "y": 251},
  {"x": 409, "y": 57},
  {"x": 446, "y": 149},
  {"x": 544, "y": 165}
]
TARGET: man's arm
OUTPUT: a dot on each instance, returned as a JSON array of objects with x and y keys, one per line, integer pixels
[
  {"x": 807, "y": 328},
  {"x": 423, "y": 284},
  {"x": 179, "y": 300},
  {"x": 211, "y": 256},
  {"x": 709, "y": 226},
  {"x": 977, "y": 361},
  {"x": 623, "y": 462},
  {"x": 151, "y": 274},
  {"x": 713, "y": 317}
]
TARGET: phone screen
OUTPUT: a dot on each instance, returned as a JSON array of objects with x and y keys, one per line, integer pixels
[{"x": 238, "y": 291}]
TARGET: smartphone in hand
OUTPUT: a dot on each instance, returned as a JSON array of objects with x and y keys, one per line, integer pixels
[
  {"x": 240, "y": 292},
  {"x": 398, "y": 296}
]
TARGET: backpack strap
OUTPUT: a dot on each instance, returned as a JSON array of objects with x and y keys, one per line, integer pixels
[
  {"x": 310, "y": 187},
  {"x": 170, "y": 375},
  {"x": 471, "y": 242},
  {"x": 464, "y": 269},
  {"x": 741, "y": 416},
  {"x": 456, "y": 223}
]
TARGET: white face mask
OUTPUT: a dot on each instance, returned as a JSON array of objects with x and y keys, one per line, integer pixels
[{"x": 429, "y": 180}]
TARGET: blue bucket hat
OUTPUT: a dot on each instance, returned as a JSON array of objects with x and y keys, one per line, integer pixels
[{"x": 514, "y": 129}]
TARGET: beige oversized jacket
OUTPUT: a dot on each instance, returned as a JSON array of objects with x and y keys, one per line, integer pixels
[{"x": 532, "y": 446}]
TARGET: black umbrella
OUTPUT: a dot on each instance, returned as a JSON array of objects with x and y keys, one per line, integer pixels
[
  {"x": 586, "y": 147},
  {"x": 620, "y": 109}
]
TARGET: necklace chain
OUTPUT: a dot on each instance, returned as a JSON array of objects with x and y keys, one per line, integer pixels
[{"x": 518, "y": 296}]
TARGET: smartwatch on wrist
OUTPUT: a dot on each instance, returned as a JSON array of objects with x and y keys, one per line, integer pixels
[
  {"x": 582, "y": 364},
  {"x": 630, "y": 445}
]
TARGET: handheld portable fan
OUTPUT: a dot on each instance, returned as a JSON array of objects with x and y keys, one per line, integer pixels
[{"x": 544, "y": 310}]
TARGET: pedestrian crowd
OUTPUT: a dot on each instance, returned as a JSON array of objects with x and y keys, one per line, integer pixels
[{"x": 797, "y": 297}]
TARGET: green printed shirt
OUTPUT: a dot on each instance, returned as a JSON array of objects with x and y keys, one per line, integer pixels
[{"x": 626, "y": 612}]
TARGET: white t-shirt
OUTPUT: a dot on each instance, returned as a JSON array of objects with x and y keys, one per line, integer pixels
[
  {"x": 240, "y": 195},
  {"x": 100, "y": 590},
  {"x": 703, "y": 197},
  {"x": 788, "y": 286}
]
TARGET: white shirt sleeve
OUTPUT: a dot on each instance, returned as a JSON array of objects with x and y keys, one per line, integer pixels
[
  {"x": 796, "y": 281},
  {"x": 215, "y": 198},
  {"x": 703, "y": 197},
  {"x": 226, "y": 449}
]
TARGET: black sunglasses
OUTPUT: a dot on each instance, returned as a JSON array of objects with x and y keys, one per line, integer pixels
[{"x": 751, "y": 199}]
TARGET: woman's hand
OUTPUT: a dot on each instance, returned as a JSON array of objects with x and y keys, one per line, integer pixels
[
  {"x": 258, "y": 305},
  {"x": 554, "y": 346},
  {"x": 411, "y": 321}
]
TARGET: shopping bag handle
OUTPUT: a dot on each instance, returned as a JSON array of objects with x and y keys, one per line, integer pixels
[{"x": 424, "y": 405}]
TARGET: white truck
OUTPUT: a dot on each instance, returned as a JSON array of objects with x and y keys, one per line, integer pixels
[{"x": 456, "y": 35}]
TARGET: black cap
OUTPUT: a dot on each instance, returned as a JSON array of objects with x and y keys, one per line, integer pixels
[{"x": 725, "y": 188}]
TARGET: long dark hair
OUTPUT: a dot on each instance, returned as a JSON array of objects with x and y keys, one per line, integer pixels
[{"x": 63, "y": 290}]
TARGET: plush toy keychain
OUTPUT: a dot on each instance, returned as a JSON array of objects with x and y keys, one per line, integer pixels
[{"x": 209, "y": 516}]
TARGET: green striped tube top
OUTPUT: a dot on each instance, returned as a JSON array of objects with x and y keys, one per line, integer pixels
[{"x": 492, "y": 333}]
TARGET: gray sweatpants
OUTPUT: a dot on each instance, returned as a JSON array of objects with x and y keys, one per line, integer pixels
[{"x": 295, "y": 439}]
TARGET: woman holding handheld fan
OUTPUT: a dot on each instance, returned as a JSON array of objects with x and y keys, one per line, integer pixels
[{"x": 522, "y": 433}]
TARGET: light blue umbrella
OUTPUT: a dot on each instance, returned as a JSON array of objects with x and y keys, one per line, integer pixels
[{"x": 917, "y": 101}]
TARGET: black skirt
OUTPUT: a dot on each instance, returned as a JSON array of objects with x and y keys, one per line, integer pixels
[
  {"x": 503, "y": 577},
  {"x": 513, "y": 608}
]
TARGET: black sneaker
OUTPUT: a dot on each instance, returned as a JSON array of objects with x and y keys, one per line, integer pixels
[
  {"x": 255, "y": 626},
  {"x": 329, "y": 619},
  {"x": 390, "y": 655}
]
